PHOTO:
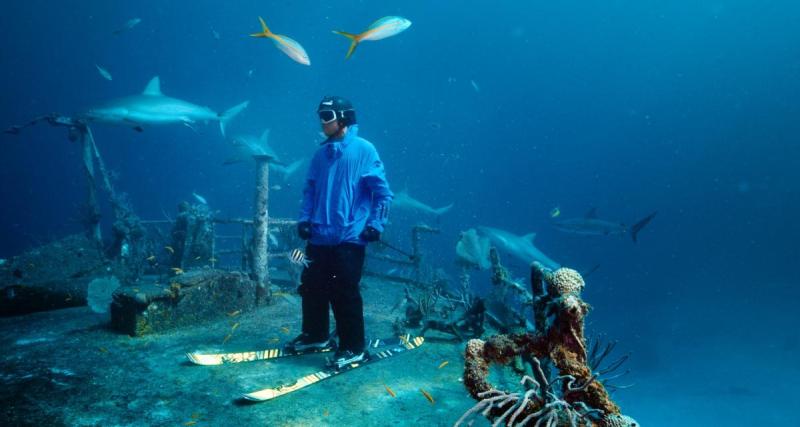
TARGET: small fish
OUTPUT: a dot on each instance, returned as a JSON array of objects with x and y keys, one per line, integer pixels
[
  {"x": 555, "y": 212},
  {"x": 215, "y": 34},
  {"x": 234, "y": 313},
  {"x": 382, "y": 28},
  {"x": 103, "y": 72},
  {"x": 212, "y": 260},
  {"x": 197, "y": 258},
  {"x": 275, "y": 187},
  {"x": 274, "y": 340},
  {"x": 475, "y": 86},
  {"x": 195, "y": 416},
  {"x": 199, "y": 198},
  {"x": 102, "y": 349},
  {"x": 390, "y": 391},
  {"x": 235, "y": 325},
  {"x": 298, "y": 257},
  {"x": 190, "y": 423},
  {"x": 67, "y": 299},
  {"x": 128, "y": 26},
  {"x": 151, "y": 258},
  {"x": 285, "y": 330},
  {"x": 443, "y": 364},
  {"x": 169, "y": 249},
  {"x": 325, "y": 413},
  {"x": 288, "y": 46},
  {"x": 249, "y": 73},
  {"x": 177, "y": 270},
  {"x": 427, "y": 396},
  {"x": 227, "y": 337}
]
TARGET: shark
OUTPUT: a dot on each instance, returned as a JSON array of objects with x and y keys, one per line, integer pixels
[
  {"x": 404, "y": 200},
  {"x": 152, "y": 107},
  {"x": 521, "y": 247},
  {"x": 591, "y": 225},
  {"x": 248, "y": 146}
]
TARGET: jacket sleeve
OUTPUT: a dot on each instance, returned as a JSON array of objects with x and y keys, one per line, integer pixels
[
  {"x": 375, "y": 179},
  {"x": 307, "y": 206}
]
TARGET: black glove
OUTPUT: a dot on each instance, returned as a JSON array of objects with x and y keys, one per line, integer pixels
[
  {"x": 304, "y": 230},
  {"x": 370, "y": 234}
]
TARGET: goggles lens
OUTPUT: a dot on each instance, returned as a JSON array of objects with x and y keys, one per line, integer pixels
[{"x": 327, "y": 116}]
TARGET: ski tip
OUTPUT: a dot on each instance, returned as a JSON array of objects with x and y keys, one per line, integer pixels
[
  {"x": 203, "y": 359},
  {"x": 259, "y": 396}
]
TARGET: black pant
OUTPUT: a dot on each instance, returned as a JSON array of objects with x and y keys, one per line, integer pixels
[{"x": 332, "y": 277}]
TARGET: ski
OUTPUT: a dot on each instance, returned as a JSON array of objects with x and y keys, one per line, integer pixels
[
  {"x": 378, "y": 350},
  {"x": 249, "y": 356}
]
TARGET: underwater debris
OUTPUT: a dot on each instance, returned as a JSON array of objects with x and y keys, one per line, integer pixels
[{"x": 575, "y": 395}]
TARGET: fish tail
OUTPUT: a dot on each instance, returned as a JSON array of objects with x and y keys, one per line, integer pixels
[
  {"x": 636, "y": 228},
  {"x": 229, "y": 114},
  {"x": 265, "y": 32},
  {"x": 353, "y": 44},
  {"x": 443, "y": 210}
]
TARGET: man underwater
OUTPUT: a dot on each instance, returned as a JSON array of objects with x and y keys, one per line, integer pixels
[{"x": 346, "y": 202}]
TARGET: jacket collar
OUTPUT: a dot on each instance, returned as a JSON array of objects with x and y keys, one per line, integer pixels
[{"x": 335, "y": 146}]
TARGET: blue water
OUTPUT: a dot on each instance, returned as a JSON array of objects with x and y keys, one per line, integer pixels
[{"x": 507, "y": 109}]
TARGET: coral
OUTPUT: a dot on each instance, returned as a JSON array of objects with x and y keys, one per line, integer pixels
[
  {"x": 564, "y": 281},
  {"x": 616, "y": 420},
  {"x": 575, "y": 396}
]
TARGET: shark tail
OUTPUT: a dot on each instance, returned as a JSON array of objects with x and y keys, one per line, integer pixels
[
  {"x": 636, "y": 228},
  {"x": 354, "y": 40},
  {"x": 291, "y": 169},
  {"x": 228, "y": 115},
  {"x": 443, "y": 210}
]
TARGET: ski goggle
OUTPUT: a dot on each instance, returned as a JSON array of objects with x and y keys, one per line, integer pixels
[{"x": 326, "y": 116}]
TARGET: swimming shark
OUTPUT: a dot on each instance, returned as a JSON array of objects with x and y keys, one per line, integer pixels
[
  {"x": 404, "y": 200},
  {"x": 519, "y": 246},
  {"x": 248, "y": 146},
  {"x": 152, "y": 107},
  {"x": 591, "y": 225}
]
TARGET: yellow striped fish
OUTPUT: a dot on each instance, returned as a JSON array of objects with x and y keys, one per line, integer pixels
[
  {"x": 385, "y": 27},
  {"x": 288, "y": 46}
]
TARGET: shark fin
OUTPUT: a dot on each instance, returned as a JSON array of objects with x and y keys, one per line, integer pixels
[
  {"x": 229, "y": 114},
  {"x": 530, "y": 236},
  {"x": 153, "y": 87},
  {"x": 354, "y": 42},
  {"x": 592, "y": 214}
]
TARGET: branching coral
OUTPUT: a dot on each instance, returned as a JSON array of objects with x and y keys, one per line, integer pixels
[{"x": 575, "y": 396}]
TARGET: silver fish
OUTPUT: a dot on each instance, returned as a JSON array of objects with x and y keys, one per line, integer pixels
[{"x": 298, "y": 257}]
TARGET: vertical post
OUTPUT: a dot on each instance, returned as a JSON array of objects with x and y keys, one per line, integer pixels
[
  {"x": 93, "y": 211},
  {"x": 260, "y": 255},
  {"x": 415, "y": 252}
]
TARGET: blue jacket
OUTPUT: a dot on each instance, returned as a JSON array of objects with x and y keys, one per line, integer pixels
[{"x": 345, "y": 190}]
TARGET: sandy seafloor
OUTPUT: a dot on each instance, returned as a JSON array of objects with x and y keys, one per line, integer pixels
[{"x": 66, "y": 367}]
